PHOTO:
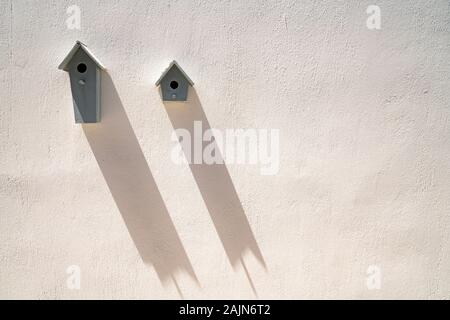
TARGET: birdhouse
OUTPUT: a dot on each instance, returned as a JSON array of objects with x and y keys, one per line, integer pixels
[
  {"x": 174, "y": 83},
  {"x": 85, "y": 74}
]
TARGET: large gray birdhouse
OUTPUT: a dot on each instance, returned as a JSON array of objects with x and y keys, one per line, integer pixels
[
  {"x": 85, "y": 73},
  {"x": 174, "y": 83}
]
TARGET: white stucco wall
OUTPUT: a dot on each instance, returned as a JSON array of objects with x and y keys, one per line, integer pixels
[{"x": 364, "y": 175}]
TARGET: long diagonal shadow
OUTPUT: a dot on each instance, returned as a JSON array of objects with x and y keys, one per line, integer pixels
[
  {"x": 133, "y": 188},
  {"x": 216, "y": 187}
]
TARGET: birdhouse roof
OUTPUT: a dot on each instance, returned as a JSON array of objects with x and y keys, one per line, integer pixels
[
  {"x": 172, "y": 64},
  {"x": 79, "y": 45}
]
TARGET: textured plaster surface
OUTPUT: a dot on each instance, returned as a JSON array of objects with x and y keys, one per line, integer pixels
[{"x": 364, "y": 151}]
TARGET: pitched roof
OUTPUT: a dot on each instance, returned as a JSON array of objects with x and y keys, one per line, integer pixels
[
  {"x": 174, "y": 63},
  {"x": 78, "y": 45}
]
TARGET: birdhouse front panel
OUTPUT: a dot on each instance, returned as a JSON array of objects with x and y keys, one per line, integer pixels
[
  {"x": 174, "y": 85},
  {"x": 85, "y": 83}
]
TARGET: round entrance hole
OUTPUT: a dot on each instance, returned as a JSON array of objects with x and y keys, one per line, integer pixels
[
  {"x": 81, "y": 68},
  {"x": 174, "y": 84}
]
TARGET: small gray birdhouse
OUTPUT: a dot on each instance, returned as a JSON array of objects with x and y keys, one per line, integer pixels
[
  {"x": 174, "y": 83},
  {"x": 85, "y": 74}
]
